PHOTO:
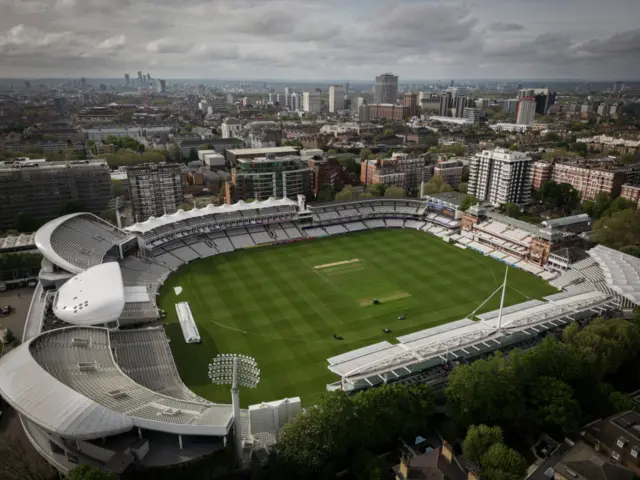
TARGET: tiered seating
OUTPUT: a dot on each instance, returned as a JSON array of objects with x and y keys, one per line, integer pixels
[
  {"x": 414, "y": 224},
  {"x": 139, "y": 310},
  {"x": 261, "y": 237},
  {"x": 335, "y": 229},
  {"x": 205, "y": 249},
  {"x": 169, "y": 260},
  {"x": 405, "y": 209},
  {"x": 223, "y": 245},
  {"x": 316, "y": 232},
  {"x": 280, "y": 234},
  {"x": 355, "y": 226},
  {"x": 242, "y": 241},
  {"x": 395, "y": 223},
  {"x": 328, "y": 215},
  {"x": 81, "y": 359},
  {"x": 375, "y": 223},
  {"x": 145, "y": 356},
  {"x": 349, "y": 213},
  {"x": 186, "y": 254},
  {"x": 84, "y": 240},
  {"x": 293, "y": 233}
]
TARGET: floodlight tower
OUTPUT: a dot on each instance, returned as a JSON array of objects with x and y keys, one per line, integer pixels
[{"x": 238, "y": 371}]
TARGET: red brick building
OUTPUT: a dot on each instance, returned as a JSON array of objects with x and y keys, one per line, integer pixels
[
  {"x": 450, "y": 171},
  {"x": 326, "y": 172},
  {"x": 388, "y": 110},
  {"x": 631, "y": 193},
  {"x": 397, "y": 171},
  {"x": 590, "y": 181},
  {"x": 541, "y": 174},
  {"x": 411, "y": 101}
]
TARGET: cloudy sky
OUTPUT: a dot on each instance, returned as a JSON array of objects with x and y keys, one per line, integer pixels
[{"x": 321, "y": 39}]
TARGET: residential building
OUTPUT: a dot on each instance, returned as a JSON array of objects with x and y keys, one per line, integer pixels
[
  {"x": 233, "y": 156},
  {"x": 97, "y": 115},
  {"x": 611, "y": 145},
  {"x": 445, "y": 103},
  {"x": 269, "y": 176},
  {"x": 311, "y": 102},
  {"x": 61, "y": 104},
  {"x": 43, "y": 189},
  {"x": 473, "y": 114},
  {"x": 591, "y": 178},
  {"x": 501, "y": 176},
  {"x": 450, "y": 170},
  {"x": 542, "y": 97},
  {"x": 364, "y": 115},
  {"x": 399, "y": 171},
  {"x": 526, "y": 110},
  {"x": 326, "y": 171},
  {"x": 631, "y": 193},
  {"x": 541, "y": 174},
  {"x": 261, "y": 139},
  {"x": 155, "y": 189},
  {"x": 336, "y": 98},
  {"x": 617, "y": 438},
  {"x": 434, "y": 464},
  {"x": 411, "y": 101},
  {"x": 387, "y": 110},
  {"x": 386, "y": 89},
  {"x": 231, "y": 128}
]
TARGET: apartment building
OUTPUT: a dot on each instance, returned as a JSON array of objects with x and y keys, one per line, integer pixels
[
  {"x": 326, "y": 171},
  {"x": 541, "y": 174},
  {"x": 450, "y": 171},
  {"x": 590, "y": 179},
  {"x": 336, "y": 98},
  {"x": 231, "y": 127},
  {"x": 501, "y": 176},
  {"x": 398, "y": 171},
  {"x": 311, "y": 102},
  {"x": 42, "y": 189},
  {"x": 156, "y": 189},
  {"x": 631, "y": 193},
  {"x": 269, "y": 176}
]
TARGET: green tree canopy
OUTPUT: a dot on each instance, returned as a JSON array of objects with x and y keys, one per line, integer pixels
[
  {"x": 117, "y": 188},
  {"x": 365, "y": 153},
  {"x": 621, "y": 229},
  {"x": 345, "y": 194},
  {"x": 395, "y": 192},
  {"x": 478, "y": 440},
  {"x": 86, "y": 472},
  {"x": 377, "y": 189},
  {"x": 326, "y": 193},
  {"x": 26, "y": 223},
  {"x": 467, "y": 202},
  {"x": 502, "y": 463},
  {"x": 463, "y": 187},
  {"x": 560, "y": 196}
]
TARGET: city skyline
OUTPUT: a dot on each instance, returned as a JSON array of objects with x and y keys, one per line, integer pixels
[{"x": 535, "y": 39}]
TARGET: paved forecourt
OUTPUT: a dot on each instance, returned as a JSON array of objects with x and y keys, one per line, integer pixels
[{"x": 283, "y": 304}]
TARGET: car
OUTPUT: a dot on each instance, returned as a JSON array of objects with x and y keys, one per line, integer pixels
[{"x": 5, "y": 310}]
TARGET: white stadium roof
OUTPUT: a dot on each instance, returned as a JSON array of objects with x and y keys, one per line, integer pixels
[
  {"x": 621, "y": 271},
  {"x": 43, "y": 243},
  {"x": 68, "y": 382},
  {"x": 155, "y": 222},
  {"x": 93, "y": 297}
]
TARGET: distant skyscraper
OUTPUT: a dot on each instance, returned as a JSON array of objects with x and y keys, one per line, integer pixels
[
  {"x": 445, "y": 104},
  {"x": 526, "y": 110},
  {"x": 140, "y": 80},
  {"x": 336, "y": 98},
  {"x": 161, "y": 86},
  {"x": 83, "y": 82},
  {"x": 346, "y": 87},
  {"x": 386, "y": 89},
  {"x": 311, "y": 102},
  {"x": 229, "y": 99},
  {"x": 618, "y": 87},
  {"x": 61, "y": 105},
  {"x": 287, "y": 97},
  {"x": 127, "y": 79},
  {"x": 411, "y": 101},
  {"x": 295, "y": 102}
]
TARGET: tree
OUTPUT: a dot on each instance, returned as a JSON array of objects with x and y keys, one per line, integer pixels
[
  {"x": 25, "y": 223},
  {"x": 621, "y": 229},
  {"x": 627, "y": 158},
  {"x": 326, "y": 193},
  {"x": 552, "y": 137},
  {"x": 18, "y": 464},
  {"x": 560, "y": 196},
  {"x": 446, "y": 188},
  {"x": 72, "y": 206},
  {"x": 620, "y": 402},
  {"x": 463, "y": 187},
  {"x": 502, "y": 463},
  {"x": 9, "y": 337},
  {"x": 388, "y": 132},
  {"x": 395, "y": 192},
  {"x": 193, "y": 154},
  {"x": 365, "y": 153},
  {"x": 478, "y": 440},
  {"x": 188, "y": 206},
  {"x": 366, "y": 196},
  {"x": 87, "y": 472},
  {"x": 345, "y": 194},
  {"x": 376, "y": 189},
  {"x": 110, "y": 216},
  {"x": 511, "y": 210},
  {"x": 467, "y": 202},
  {"x": 117, "y": 188},
  {"x": 555, "y": 405}
]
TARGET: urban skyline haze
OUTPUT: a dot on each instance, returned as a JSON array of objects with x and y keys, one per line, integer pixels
[{"x": 323, "y": 39}]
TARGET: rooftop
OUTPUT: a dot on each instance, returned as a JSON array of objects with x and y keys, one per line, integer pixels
[{"x": 263, "y": 151}]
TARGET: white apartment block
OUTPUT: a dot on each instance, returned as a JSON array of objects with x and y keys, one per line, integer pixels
[
  {"x": 311, "y": 102},
  {"x": 501, "y": 176},
  {"x": 336, "y": 98},
  {"x": 231, "y": 128}
]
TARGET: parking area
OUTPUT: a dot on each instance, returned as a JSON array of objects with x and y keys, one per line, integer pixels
[{"x": 19, "y": 300}]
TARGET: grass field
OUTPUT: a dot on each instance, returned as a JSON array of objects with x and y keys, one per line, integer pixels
[{"x": 283, "y": 304}]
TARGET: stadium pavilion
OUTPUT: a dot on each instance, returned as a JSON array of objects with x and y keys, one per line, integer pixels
[{"x": 89, "y": 391}]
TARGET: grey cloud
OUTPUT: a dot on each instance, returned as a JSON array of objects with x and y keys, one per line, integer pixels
[{"x": 505, "y": 27}]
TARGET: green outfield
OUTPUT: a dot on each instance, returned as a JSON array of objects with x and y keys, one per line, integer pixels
[{"x": 283, "y": 304}]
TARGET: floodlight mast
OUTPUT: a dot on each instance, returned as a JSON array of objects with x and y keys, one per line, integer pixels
[{"x": 237, "y": 370}]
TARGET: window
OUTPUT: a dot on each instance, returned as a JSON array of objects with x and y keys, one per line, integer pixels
[
  {"x": 621, "y": 442},
  {"x": 634, "y": 452},
  {"x": 615, "y": 455}
]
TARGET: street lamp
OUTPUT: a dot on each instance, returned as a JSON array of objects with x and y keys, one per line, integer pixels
[{"x": 236, "y": 370}]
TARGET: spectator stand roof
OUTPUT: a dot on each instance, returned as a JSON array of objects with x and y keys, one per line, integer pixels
[
  {"x": 155, "y": 222},
  {"x": 621, "y": 271}
]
